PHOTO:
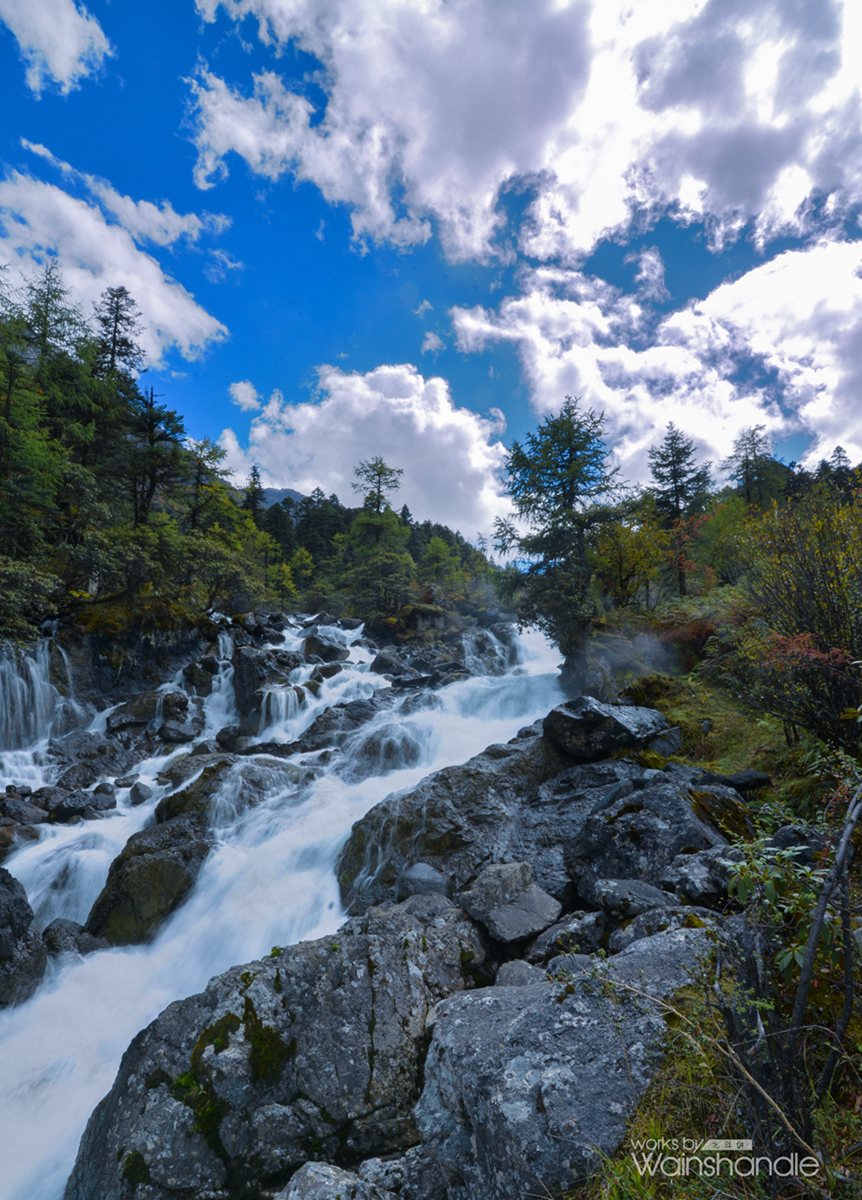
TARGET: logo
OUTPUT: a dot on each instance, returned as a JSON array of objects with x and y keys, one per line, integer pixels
[{"x": 715, "y": 1158}]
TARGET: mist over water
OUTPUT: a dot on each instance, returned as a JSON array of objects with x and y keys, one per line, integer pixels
[{"x": 268, "y": 881}]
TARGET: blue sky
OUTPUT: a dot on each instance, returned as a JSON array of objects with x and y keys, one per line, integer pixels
[{"x": 383, "y": 226}]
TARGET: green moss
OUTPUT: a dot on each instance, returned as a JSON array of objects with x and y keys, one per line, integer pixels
[
  {"x": 135, "y": 1170},
  {"x": 275, "y": 952},
  {"x": 268, "y": 1052},
  {"x": 217, "y": 1036}
]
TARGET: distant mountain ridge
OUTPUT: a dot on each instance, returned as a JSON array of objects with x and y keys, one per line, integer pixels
[{"x": 276, "y": 495}]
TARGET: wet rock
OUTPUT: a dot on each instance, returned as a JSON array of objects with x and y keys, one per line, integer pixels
[
  {"x": 22, "y": 813},
  {"x": 528, "y": 1088},
  {"x": 147, "y": 881},
  {"x": 314, "y": 1053},
  {"x": 78, "y": 803},
  {"x": 83, "y": 757},
  {"x": 389, "y": 747},
  {"x": 638, "y": 836},
  {"x": 588, "y": 730},
  {"x": 22, "y": 954},
  {"x": 626, "y": 898},
  {"x": 336, "y": 723},
  {"x": 62, "y": 937},
  {"x": 508, "y": 903},
  {"x": 141, "y": 793},
  {"x": 319, "y": 1181},
  {"x": 388, "y": 662},
  {"x": 255, "y": 670},
  {"x": 420, "y": 879},
  {"x": 176, "y": 734},
  {"x": 521, "y": 801},
  {"x": 326, "y": 647}
]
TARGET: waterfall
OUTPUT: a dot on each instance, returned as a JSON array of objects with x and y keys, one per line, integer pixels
[
  {"x": 268, "y": 881},
  {"x": 32, "y": 707}
]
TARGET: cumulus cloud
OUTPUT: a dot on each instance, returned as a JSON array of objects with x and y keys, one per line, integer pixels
[
  {"x": 245, "y": 395},
  {"x": 38, "y": 218},
  {"x": 58, "y": 39},
  {"x": 450, "y": 459},
  {"x": 793, "y": 322},
  {"x": 728, "y": 111},
  {"x": 432, "y": 343},
  {"x": 424, "y": 307}
]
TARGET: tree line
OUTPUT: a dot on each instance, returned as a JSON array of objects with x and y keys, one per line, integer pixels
[{"x": 112, "y": 515}]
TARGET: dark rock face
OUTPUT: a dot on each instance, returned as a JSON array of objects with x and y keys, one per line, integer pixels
[
  {"x": 588, "y": 730},
  {"x": 526, "y": 1087},
  {"x": 319, "y": 1181},
  {"x": 325, "y": 647},
  {"x": 637, "y": 837},
  {"x": 255, "y": 670},
  {"x": 63, "y": 936},
  {"x": 148, "y": 880},
  {"x": 507, "y": 902},
  {"x": 155, "y": 871},
  {"x": 518, "y": 802},
  {"x": 413, "y": 1176},
  {"x": 422, "y": 879},
  {"x": 314, "y": 1052},
  {"x": 22, "y": 954}
]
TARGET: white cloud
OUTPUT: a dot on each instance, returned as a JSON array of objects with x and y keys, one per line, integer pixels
[
  {"x": 145, "y": 221},
  {"x": 58, "y": 39},
  {"x": 245, "y": 395},
  {"x": 798, "y": 317},
  {"x": 724, "y": 110},
  {"x": 431, "y": 342},
  {"x": 424, "y": 307},
  {"x": 38, "y": 218},
  {"x": 650, "y": 273},
  {"x": 450, "y": 461}
]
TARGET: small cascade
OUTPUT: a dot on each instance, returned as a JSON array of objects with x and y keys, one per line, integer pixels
[
  {"x": 485, "y": 654},
  {"x": 220, "y": 705},
  {"x": 32, "y": 707}
]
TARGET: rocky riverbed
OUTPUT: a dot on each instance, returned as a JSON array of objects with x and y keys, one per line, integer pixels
[{"x": 469, "y": 1031}]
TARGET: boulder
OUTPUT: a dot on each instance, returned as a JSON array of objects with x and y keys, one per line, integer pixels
[
  {"x": 388, "y": 662},
  {"x": 585, "y": 932},
  {"x": 325, "y": 647},
  {"x": 420, "y": 879},
  {"x": 519, "y": 974},
  {"x": 527, "y": 1089},
  {"x": 412, "y": 1176},
  {"x": 667, "y": 743},
  {"x": 519, "y": 801},
  {"x": 659, "y": 920},
  {"x": 62, "y": 937},
  {"x": 741, "y": 781},
  {"x": 22, "y": 954},
  {"x": 84, "y": 757},
  {"x": 623, "y": 899},
  {"x": 21, "y": 812},
  {"x": 508, "y": 903},
  {"x": 806, "y": 843},
  {"x": 319, "y": 1181},
  {"x": 255, "y": 670},
  {"x": 147, "y": 881},
  {"x": 638, "y": 836},
  {"x": 177, "y": 734},
  {"x": 140, "y": 793},
  {"x": 701, "y": 878},
  {"x": 313, "y": 1052},
  {"x": 587, "y": 730}
]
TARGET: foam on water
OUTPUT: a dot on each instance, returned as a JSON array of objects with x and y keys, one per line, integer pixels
[{"x": 268, "y": 881}]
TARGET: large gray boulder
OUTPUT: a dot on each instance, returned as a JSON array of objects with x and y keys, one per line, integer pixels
[
  {"x": 638, "y": 836},
  {"x": 527, "y": 1088},
  {"x": 516, "y": 802},
  {"x": 320, "y": 1181},
  {"x": 588, "y": 730},
  {"x": 22, "y": 954},
  {"x": 316, "y": 1052},
  {"x": 508, "y": 903}
]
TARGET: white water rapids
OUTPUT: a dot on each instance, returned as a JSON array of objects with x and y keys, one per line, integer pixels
[{"x": 268, "y": 881}]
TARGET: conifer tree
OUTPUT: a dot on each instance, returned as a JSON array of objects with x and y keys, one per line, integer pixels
[{"x": 680, "y": 485}]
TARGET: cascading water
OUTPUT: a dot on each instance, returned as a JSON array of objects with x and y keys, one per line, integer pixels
[{"x": 268, "y": 881}]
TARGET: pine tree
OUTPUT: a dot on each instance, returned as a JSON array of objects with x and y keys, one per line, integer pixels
[
  {"x": 376, "y": 481},
  {"x": 254, "y": 497},
  {"x": 749, "y": 464},
  {"x": 680, "y": 486},
  {"x": 118, "y": 325}
]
